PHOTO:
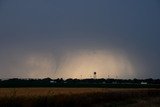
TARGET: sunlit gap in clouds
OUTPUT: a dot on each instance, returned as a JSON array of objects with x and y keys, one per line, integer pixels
[{"x": 80, "y": 64}]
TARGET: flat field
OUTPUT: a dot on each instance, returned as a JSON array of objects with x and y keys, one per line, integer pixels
[
  {"x": 67, "y": 91},
  {"x": 78, "y": 97}
]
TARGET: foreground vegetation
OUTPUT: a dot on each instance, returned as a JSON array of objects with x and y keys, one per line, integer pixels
[{"x": 78, "y": 97}]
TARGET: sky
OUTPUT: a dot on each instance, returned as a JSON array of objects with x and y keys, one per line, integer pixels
[{"x": 74, "y": 38}]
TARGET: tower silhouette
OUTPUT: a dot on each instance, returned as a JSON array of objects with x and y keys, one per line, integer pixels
[{"x": 94, "y": 75}]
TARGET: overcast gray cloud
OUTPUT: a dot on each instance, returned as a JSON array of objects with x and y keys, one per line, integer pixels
[{"x": 61, "y": 38}]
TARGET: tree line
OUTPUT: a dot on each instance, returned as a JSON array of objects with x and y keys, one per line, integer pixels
[{"x": 60, "y": 82}]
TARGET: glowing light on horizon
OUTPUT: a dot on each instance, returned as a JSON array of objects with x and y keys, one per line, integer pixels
[
  {"x": 83, "y": 64},
  {"x": 79, "y": 64}
]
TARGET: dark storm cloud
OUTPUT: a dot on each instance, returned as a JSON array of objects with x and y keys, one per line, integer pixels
[{"x": 56, "y": 27}]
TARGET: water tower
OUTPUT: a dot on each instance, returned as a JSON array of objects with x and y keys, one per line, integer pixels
[{"x": 94, "y": 75}]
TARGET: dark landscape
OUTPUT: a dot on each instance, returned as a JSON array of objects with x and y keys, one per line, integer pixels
[
  {"x": 79, "y": 93},
  {"x": 79, "y": 97},
  {"x": 90, "y": 82}
]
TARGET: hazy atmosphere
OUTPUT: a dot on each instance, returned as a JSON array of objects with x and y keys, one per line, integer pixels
[{"x": 74, "y": 38}]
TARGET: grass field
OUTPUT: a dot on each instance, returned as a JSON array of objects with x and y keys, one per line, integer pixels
[{"x": 78, "y": 97}]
